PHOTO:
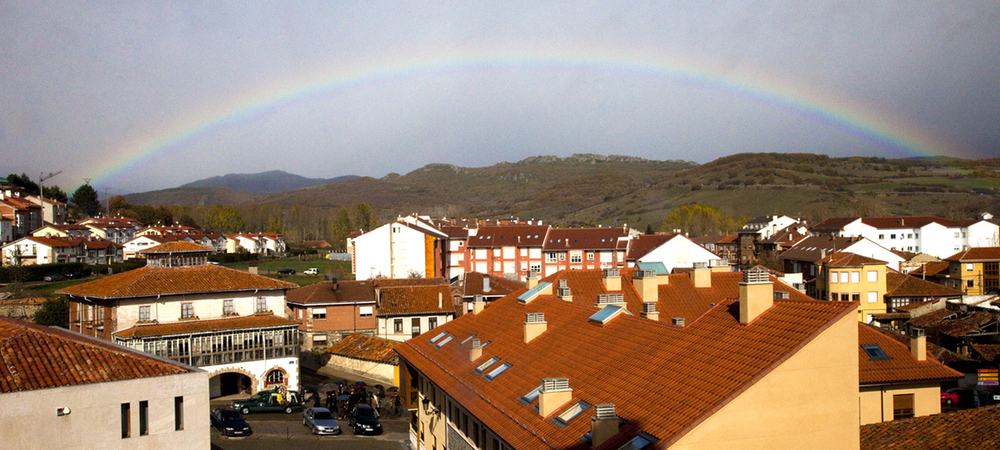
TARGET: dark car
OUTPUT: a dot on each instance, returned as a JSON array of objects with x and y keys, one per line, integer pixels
[
  {"x": 287, "y": 271},
  {"x": 230, "y": 422},
  {"x": 269, "y": 401},
  {"x": 75, "y": 275},
  {"x": 364, "y": 420},
  {"x": 54, "y": 277}
]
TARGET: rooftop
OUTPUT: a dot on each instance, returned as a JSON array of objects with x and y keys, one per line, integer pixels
[
  {"x": 970, "y": 429},
  {"x": 206, "y": 326},
  {"x": 150, "y": 282}
]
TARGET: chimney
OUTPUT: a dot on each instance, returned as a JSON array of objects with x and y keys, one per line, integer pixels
[
  {"x": 604, "y": 424},
  {"x": 554, "y": 394},
  {"x": 478, "y": 305},
  {"x": 756, "y": 295},
  {"x": 440, "y": 300},
  {"x": 476, "y": 351},
  {"x": 701, "y": 275},
  {"x": 612, "y": 280},
  {"x": 563, "y": 291},
  {"x": 645, "y": 283},
  {"x": 532, "y": 279},
  {"x": 918, "y": 344},
  {"x": 679, "y": 321},
  {"x": 719, "y": 266},
  {"x": 649, "y": 311},
  {"x": 534, "y": 325},
  {"x": 486, "y": 283},
  {"x": 822, "y": 253}
]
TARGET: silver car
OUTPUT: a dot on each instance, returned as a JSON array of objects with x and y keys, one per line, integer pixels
[{"x": 321, "y": 421}]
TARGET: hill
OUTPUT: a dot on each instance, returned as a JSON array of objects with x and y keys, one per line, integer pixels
[{"x": 262, "y": 183}]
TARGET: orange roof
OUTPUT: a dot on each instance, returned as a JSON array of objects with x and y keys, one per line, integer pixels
[
  {"x": 205, "y": 326},
  {"x": 583, "y": 238},
  {"x": 178, "y": 247},
  {"x": 369, "y": 348},
  {"x": 848, "y": 259},
  {"x": 627, "y": 361},
  {"x": 976, "y": 254},
  {"x": 512, "y": 235},
  {"x": 813, "y": 248},
  {"x": 411, "y": 300},
  {"x": 646, "y": 243},
  {"x": 898, "y": 285},
  {"x": 37, "y": 357},
  {"x": 406, "y": 282},
  {"x": 326, "y": 292},
  {"x": 902, "y": 366},
  {"x": 499, "y": 286},
  {"x": 970, "y": 429},
  {"x": 931, "y": 268},
  {"x": 148, "y": 282}
]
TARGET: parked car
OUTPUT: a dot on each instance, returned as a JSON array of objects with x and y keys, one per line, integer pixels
[
  {"x": 961, "y": 396},
  {"x": 269, "y": 401},
  {"x": 230, "y": 422},
  {"x": 287, "y": 271},
  {"x": 311, "y": 271},
  {"x": 321, "y": 421},
  {"x": 948, "y": 397},
  {"x": 54, "y": 277},
  {"x": 75, "y": 275},
  {"x": 364, "y": 420}
]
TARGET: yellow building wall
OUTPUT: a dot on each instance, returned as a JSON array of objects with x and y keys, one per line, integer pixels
[
  {"x": 863, "y": 287},
  {"x": 809, "y": 401},
  {"x": 429, "y": 256},
  {"x": 875, "y": 403},
  {"x": 957, "y": 271}
]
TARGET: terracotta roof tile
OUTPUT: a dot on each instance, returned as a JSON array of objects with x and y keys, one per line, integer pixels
[
  {"x": 932, "y": 319},
  {"x": 931, "y": 268},
  {"x": 326, "y": 292},
  {"x": 967, "y": 324},
  {"x": 401, "y": 301},
  {"x": 694, "y": 369},
  {"x": 583, "y": 238},
  {"x": 510, "y": 235},
  {"x": 902, "y": 367},
  {"x": 499, "y": 286},
  {"x": 646, "y": 243},
  {"x": 970, "y": 429},
  {"x": 179, "y": 246},
  {"x": 812, "y": 248},
  {"x": 848, "y": 259},
  {"x": 368, "y": 348},
  {"x": 976, "y": 254},
  {"x": 899, "y": 285},
  {"x": 37, "y": 357},
  {"x": 146, "y": 282},
  {"x": 989, "y": 352},
  {"x": 205, "y": 326},
  {"x": 407, "y": 282}
]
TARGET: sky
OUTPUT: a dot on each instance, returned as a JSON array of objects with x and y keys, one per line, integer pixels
[{"x": 138, "y": 96}]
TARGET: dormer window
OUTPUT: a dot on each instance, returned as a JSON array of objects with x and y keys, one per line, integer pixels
[{"x": 578, "y": 408}]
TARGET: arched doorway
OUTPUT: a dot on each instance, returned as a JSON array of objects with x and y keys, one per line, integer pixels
[{"x": 230, "y": 383}]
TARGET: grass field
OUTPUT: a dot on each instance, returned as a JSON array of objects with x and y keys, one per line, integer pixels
[{"x": 338, "y": 269}]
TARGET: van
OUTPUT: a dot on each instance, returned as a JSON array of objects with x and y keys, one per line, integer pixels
[{"x": 311, "y": 271}]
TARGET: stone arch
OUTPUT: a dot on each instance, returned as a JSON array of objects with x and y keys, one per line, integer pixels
[
  {"x": 284, "y": 376},
  {"x": 254, "y": 381}
]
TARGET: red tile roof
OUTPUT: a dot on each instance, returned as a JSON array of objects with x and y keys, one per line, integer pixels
[
  {"x": 628, "y": 361},
  {"x": 899, "y": 285},
  {"x": 511, "y": 235},
  {"x": 976, "y": 254},
  {"x": 368, "y": 348},
  {"x": 148, "y": 282},
  {"x": 583, "y": 238},
  {"x": 415, "y": 300},
  {"x": 178, "y": 247},
  {"x": 847, "y": 259},
  {"x": 36, "y": 357},
  {"x": 964, "y": 325},
  {"x": 970, "y": 429},
  {"x": 931, "y": 268},
  {"x": 646, "y": 243},
  {"x": 902, "y": 367},
  {"x": 407, "y": 282},
  {"x": 932, "y": 319},
  {"x": 499, "y": 286},
  {"x": 327, "y": 292},
  {"x": 205, "y": 326},
  {"x": 812, "y": 248}
]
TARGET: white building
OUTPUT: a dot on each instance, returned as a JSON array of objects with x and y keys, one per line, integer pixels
[
  {"x": 935, "y": 236},
  {"x": 673, "y": 250},
  {"x": 408, "y": 246}
]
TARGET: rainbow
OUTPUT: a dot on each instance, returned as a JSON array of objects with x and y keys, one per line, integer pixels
[{"x": 897, "y": 138}]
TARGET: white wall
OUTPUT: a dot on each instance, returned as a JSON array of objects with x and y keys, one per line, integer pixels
[
  {"x": 259, "y": 369},
  {"x": 678, "y": 252},
  {"x": 167, "y": 309}
]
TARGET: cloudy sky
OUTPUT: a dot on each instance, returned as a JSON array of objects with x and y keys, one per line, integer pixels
[{"x": 148, "y": 95}]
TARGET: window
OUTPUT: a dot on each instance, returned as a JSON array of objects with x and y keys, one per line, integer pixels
[
  {"x": 187, "y": 310},
  {"x": 143, "y": 314},
  {"x": 969, "y": 267},
  {"x": 855, "y": 297},
  {"x": 956, "y": 234},
  {"x": 834, "y": 277},
  {"x": 970, "y": 283},
  {"x": 576, "y": 257},
  {"x": 562, "y": 256},
  {"x": 260, "y": 304},
  {"x": 126, "y": 420},
  {"x": 432, "y": 322},
  {"x": 178, "y": 413},
  {"x": 590, "y": 256},
  {"x": 496, "y": 372},
  {"x": 144, "y": 418},
  {"x": 872, "y": 276},
  {"x": 881, "y": 236},
  {"x": 530, "y": 397},
  {"x": 438, "y": 337},
  {"x": 872, "y": 297},
  {"x": 486, "y": 364},
  {"x": 909, "y": 235},
  {"x": 275, "y": 377},
  {"x": 892, "y": 236},
  {"x": 875, "y": 352},
  {"x": 397, "y": 326},
  {"x": 537, "y": 267},
  {"x": 550, "y": 257},
  {"x": 571, "y": 413},
  {"x": 366, "y": 311},
  {"x": 855, "y": 276},
  {"x": 319, "y": 313},
  {"x": 902, "y": 406},
  {"x": 227, "y": 308},
  {"x": 445, "y": 341}
]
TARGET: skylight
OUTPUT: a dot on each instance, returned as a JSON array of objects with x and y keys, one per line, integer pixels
[
  {"x": 533, "y": 292},
  {"x": 606, "y": 313},
  {"x": 487, "y": 364},
  {"x": 445, "y": 341},
  {"x": 467, "y": 339},
  {"x": 530, "y": 397},
  {"x": 436, "y": 338},
  {"x": 875, "y": 353},
  {"x": 578, "y": 408},
  {"x": 640, "y": 442},
  {"x": 490, "y": 376}
]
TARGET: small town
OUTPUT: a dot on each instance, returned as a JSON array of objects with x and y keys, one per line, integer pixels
[{"x": 863, "y": 332}]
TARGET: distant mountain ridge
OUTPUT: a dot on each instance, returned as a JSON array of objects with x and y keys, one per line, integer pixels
[{"x": 263, "y": 183}]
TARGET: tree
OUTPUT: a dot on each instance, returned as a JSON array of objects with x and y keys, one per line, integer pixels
[
  {"x": 85, "y": 199},
  {"x": 117, "y": 204},
  {"x": 55, "y": 193},
  {"x": 364, "y": 217},
  {"x": 342, "y": 226},
  {"x": 187, "y": 221},
  {"x": 164, "y": 216},
  {"x": 225, "y": 220},
  {"x": 53, "y": 313}
]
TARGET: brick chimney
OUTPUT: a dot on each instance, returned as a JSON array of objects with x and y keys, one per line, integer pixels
[
  {"x": 604, "y": 424},
  {"x": 645, "y": 283},
  {"x": 701, "y": 276},
  {"x": 476, "y": 351},
  {"x": 554, "y": 394},
  {"x": 534, "y": 326},
  {"x": 612, "y": 280},
  {"x": 756, "y": 295},
  {"x": 918, "y": 344}
]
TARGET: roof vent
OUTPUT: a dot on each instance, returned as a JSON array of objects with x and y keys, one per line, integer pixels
[
  {"x": 534, "y": 326},
  {"x": 555, "y": 384},
  {"x": 700, "y": 265},
  {"x": 780, "y": 295},
  {"x": 605, "y": 411},
  {"x": 565, "y": 294},
  {"x": 535, "y": 317},
  {"x": 609, "y": 272},
  {"x": 679, "y": 321},
  {"x": 649, "y": 307},
  {"x": 756, "y": 276},
  {"x": 604, "y": 425},
  {"x": 609, "y": 299},
  {"x": 563, "y": 283},
  {"x": 647, "y": 273}
]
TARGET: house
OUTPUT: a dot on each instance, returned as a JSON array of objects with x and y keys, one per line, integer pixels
[
  {"x": 63, "y": 231},
  {"x": 102, "y": 251},
  {"x": 804, "y": 257},
  {"x": 902, "y": 290},
  {"x": 90, "y": 393},
  {"x": 6, "y": 230},
  {"x": 898, "y": 376},
  {"x": 527, "y": 372},
  {"x": 584, "y": 248},
  {"x": 115, "y": 229},
  {"x": 975, "y": 271},
  {"x": 673, "y": 250},
  {"x": 409, "y": 246},
  {"x": 227, "y": 322},
  {"x": 935, "y": 236},
  {"x": 53, "y": 211},
  {"x": 849, "y": 277},
  {"x": 514, "y": 249},
  {"x": 23, "y": 214},
  {"x": 43, "y": 250},
  {"x": 727, "y": 246},
  {"x": 970, "y": 429},
  {"x": 408, "y": 307},
  {"x": 366, "y": 355},
  {"x": 329, "y": 310},
  {"x": 757, "y": 230},
  {"x": 135, "y": 246}
]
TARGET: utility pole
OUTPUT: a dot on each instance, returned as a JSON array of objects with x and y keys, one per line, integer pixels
[{"x": 41, "y": 195}]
